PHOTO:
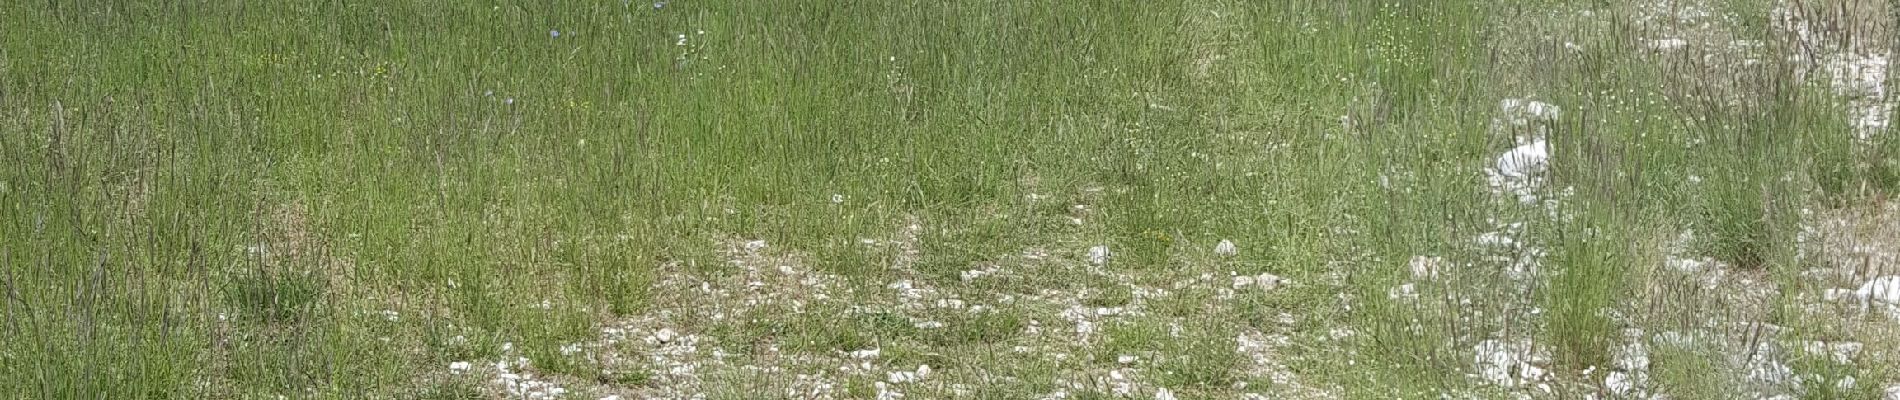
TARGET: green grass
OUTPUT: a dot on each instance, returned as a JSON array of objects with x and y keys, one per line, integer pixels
[
  {"x": 1684, "y": 372},
  {"x": 223, "y": 200}
]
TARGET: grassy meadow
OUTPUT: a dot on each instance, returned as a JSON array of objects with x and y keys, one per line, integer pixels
[{"x": 716, "y": 199}]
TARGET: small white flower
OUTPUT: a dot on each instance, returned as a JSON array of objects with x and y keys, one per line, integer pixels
[
  {"x": 391, "y": 315},
  {"x": 554, "y": 33},
  {"x": 458, "y": 367},
  {"x": 682, "y": 41},
  {"x": 508, "y": 101},
  {"x": 1098, "y": 255},
  {"x": 1225, "y": 248},
  {"x": 837, "y": 198}
]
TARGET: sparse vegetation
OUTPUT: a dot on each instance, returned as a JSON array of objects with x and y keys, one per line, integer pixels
[{"x": 1291, "y": 199}]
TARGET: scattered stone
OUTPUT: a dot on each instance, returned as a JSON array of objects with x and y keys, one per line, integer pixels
[
  {"x": 1509, "y": 364},
  {"x": 1405, "y": 292},
  {"x": 1524, "y": 111},
  {"x": 1885, "y": 289},
  {"x": 1619, "y": 383},
  {"x": 1098, "y": 255},
  {"x": 1225, "y": 248},
  {"x": 1667, "y": 44},
  {"x": 1525, "y": 160},
  {"x": 1839, "y": 352},
  {"x": 1265, "y": 281},
  {"x": 1427, "y": 268}
]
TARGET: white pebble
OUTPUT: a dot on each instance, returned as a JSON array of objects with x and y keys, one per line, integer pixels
[
  {"x": 1525, "y": 161},
  {"x": 1425, "y": 267},
  {"x": 1098, "y": 255},
  {"x": 1242, "y": 281},
  {"x": 1225, "y": 248},
  {"x": 1667, "y": 44}
]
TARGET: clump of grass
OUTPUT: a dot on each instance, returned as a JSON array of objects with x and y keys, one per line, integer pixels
[
  {"x": 274, "y": 298},
  {"x": 1198, "y": 357},
  {"x": 622, "y": 275},
  {"x": 958, "y": 241},
  {"x": 452, "y": 390},
  {"x": 1691, "y": 373},
  {"x": 1593, "y": 264},
  {"x": 965, "y": 329},
  {"x": 823, "y": 330},
  {"x": 1823, "y": 378},
  {"x": 1109, "y": 296},
  {"x": 625, "y": 378}
]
